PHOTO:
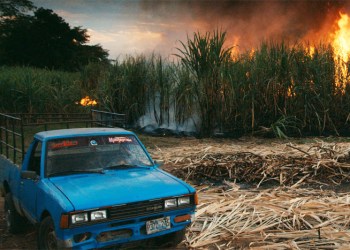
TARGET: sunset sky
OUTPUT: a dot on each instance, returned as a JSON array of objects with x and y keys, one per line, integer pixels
[
  {"x": 143, "y": 26},
  {"x": 122, "y": 27}
]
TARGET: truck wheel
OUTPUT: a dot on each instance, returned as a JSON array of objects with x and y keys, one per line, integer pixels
[
  {"x": 14, "y": 221},
  {"x": 46, "y": 235}
]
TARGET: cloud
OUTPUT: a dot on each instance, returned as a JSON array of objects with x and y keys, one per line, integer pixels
[
  {"x": 74, "y": 19},
  {"x": 128, "y": 41}
]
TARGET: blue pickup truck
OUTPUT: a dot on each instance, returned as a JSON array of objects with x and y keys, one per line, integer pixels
[{"x": 93, "y": 187}]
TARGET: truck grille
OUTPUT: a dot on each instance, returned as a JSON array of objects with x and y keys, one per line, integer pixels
[{"x": 139, "y": 209}]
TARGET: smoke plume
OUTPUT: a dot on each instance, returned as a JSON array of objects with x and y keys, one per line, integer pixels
[{"x": 248, "y": 22}]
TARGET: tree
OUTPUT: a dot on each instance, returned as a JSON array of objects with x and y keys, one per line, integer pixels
[
  {"x": 45, "y": 40},
  {"x": 14, "y": 42},
  {"x": 10, "y": 8}
]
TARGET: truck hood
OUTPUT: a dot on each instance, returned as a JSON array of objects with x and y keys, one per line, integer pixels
[{"x": 88, "y": 191}]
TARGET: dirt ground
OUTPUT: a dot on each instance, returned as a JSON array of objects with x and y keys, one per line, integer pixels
[
  {"x": 26, "y": 240},
  {"x": 160, "y": 148}
]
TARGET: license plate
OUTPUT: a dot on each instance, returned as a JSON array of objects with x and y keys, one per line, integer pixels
[{"x": 157, "y": 225}]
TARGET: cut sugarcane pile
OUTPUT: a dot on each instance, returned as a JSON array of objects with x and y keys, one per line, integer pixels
[
  {"x": 286, "y": 164},
  {"x": 286, "y": 215},
  {"x": 270, "y": 219}
]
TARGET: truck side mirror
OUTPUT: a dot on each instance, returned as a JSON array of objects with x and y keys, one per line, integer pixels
[
  {"x": 31, "y": 175},
  {"x": 158, "y": 163}
]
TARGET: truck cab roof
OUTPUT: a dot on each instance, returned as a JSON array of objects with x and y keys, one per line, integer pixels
[{"x": 73, "y": 132}]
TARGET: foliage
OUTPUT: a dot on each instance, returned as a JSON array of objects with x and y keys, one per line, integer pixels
[
  {"x": 29, "y": 90},
  {"x": 45, "y": 40},
  {"x": 284, "y": 126},
  {"x": 11, "y": 8},
  {"x": 205, "y": 56}
]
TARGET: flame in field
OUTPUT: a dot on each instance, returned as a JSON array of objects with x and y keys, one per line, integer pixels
[
  {"x": 87, "y": 101},
  {"x": 251, "y": 53},
  {"x": 341, "y": 42},
  {"x": 235, "y": 52},
  {"x": 311, "y": 51},
  {"x": 341, "y": 46}
]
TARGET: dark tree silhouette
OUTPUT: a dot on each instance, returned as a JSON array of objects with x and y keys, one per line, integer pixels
[
  {"x": 10, "y": 8},
  {"x": 45, "y": 40}
]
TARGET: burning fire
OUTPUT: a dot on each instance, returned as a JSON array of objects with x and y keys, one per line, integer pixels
[
  {"x": 86, "y": 101},
  {"x": 339, "y": 38},
  {"x": 311, "y": 51},
  {"x": 235, "y": 48},
  {"x": 341, "y": 41},
  {"x": 341, "y": 46}
]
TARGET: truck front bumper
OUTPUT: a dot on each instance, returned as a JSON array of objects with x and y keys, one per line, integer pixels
[{"x": 120, "y": 232}]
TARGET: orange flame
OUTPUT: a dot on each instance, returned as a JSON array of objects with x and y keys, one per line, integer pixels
[
  {"x": 341, "y": 46},
  {"x": 235, "y": 49},
  {"x": 311, "y": 51},
  {"x": 341, "y": 41},
  {"x": 86, "y": 101}
]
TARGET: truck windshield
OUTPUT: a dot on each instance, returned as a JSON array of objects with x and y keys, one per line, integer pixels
[{"x": 79, "y": 154}]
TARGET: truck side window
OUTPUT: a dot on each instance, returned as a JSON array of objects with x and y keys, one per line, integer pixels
[{"x": 34, "y": 161}]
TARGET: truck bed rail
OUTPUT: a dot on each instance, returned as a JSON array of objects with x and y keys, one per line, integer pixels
[{"x": 15, "y": 128}]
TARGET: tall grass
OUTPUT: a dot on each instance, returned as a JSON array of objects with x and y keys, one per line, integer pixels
[
  {"x": 29, "y": 90},
  {"x": 279, "y": 89},
  {"x": 205, "y": 56}
]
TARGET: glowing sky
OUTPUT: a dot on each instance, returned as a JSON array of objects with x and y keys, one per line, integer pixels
[
  {"x": 121, "y": 27},
  {"x": 143, "y": 26}
]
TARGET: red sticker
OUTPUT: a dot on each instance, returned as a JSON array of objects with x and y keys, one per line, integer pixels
[
  {"x": 119, "y": 139},
  {"x": 63, "y": 144}
]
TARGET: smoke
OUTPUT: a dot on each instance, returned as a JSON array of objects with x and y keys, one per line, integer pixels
[
  {"x": 149, "y": 123},
  {"x": 247, "y": 22}
]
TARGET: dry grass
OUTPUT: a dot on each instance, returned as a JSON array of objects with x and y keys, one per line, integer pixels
[
  {"x": 286, "y": 163},
  {"x": 270, "y": 219},
  {"x": 292, "y": 200}
]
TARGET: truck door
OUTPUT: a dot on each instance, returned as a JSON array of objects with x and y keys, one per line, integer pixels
[{"x": 29, "y": 186}]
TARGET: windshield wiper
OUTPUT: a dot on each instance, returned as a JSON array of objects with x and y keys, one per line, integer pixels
[
  {"x": 121, "y": 166},
  {"x": 78, "y": 171}
]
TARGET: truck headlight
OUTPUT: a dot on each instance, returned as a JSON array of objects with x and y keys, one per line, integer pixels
[
  {"x": 79, "y": 218},
  {"x": 170, "y": 203},
  {"x": 98, "y": 215},
  {"x": 183, "y": 200}
]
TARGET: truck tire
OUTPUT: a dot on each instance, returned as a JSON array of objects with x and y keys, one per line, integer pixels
[
  {"x": 46, "y": 235},
  {"x": 14, "y": 221}
]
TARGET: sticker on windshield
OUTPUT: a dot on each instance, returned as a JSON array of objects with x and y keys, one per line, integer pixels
[
  {"x": 93, "y": 143},
  {"x": 118, "y": 139},
  {"x": 63, "y": 144}
]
